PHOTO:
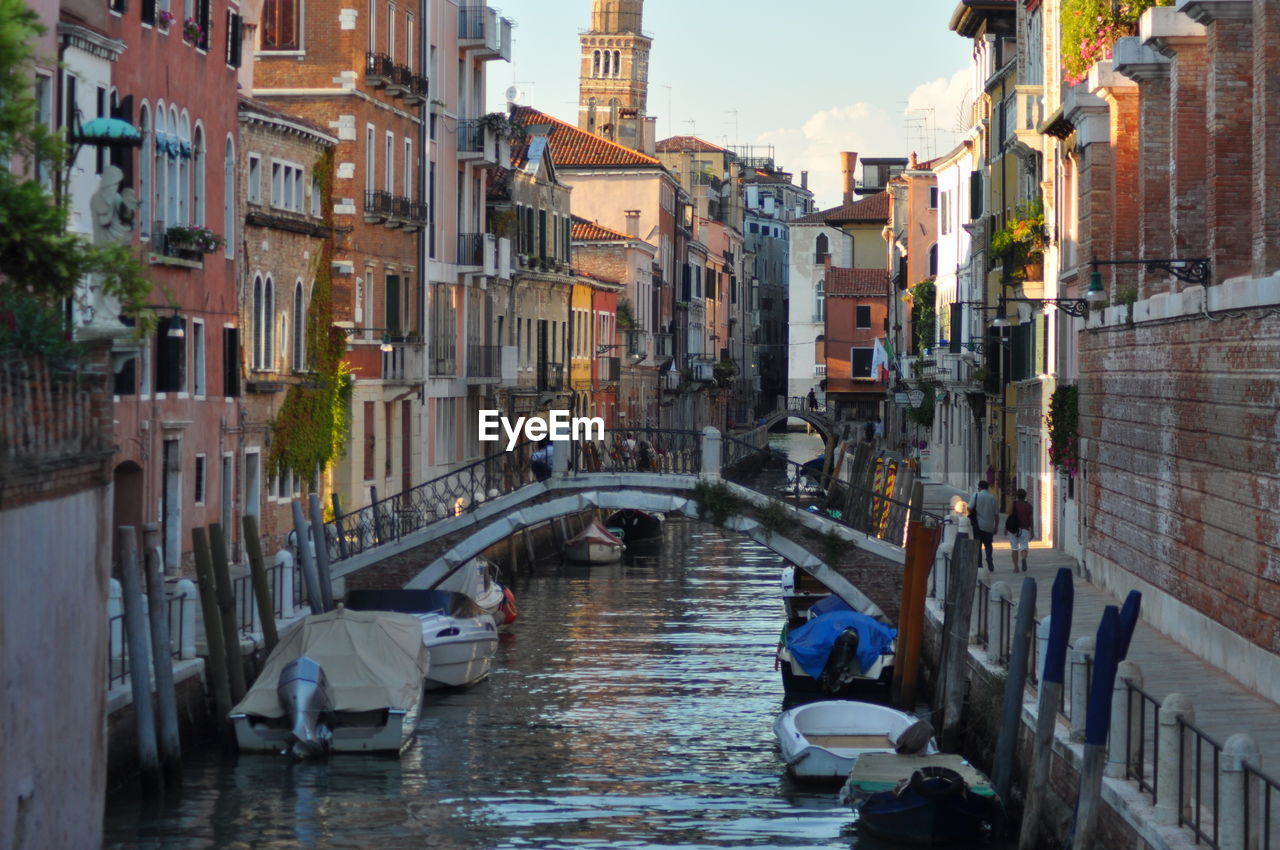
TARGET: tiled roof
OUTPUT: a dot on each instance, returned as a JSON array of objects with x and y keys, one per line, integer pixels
[
  {"x": 574, "y": 148},
  {"x": 590, "y": 231},
  {"x": 869, "y": 209},
  {"x": 250, "y": 105},
  {"x": 676, "y": 144},
  {"x": 858, "y": 282}
]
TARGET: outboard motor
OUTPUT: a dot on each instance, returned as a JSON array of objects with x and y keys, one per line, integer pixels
[
  {"x": 842, "y": 665},
  {"x": 307, "y": 701}
]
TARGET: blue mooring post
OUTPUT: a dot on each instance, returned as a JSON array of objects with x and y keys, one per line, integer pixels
[{"x": 1055, "y": 659}]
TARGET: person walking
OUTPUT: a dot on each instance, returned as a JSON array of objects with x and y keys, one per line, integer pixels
[
  {"x": 1020, "y": 528},
  {"x": 984, "y": 513},
  {"x": 813, "y": 400}
]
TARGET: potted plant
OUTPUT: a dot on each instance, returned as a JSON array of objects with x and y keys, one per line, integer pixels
[
  {"x": 1021, "y": 242},
  {"x": 192, "y": 32},
  {"x": 193, "y": 239},
  {"x": 1091, "y": 27},
  {"x": 164, "y": 19}
]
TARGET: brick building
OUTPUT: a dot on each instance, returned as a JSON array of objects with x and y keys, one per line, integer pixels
[{"x": 857, "y": 304}]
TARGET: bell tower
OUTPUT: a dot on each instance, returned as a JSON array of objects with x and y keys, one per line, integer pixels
[{"x": 614, "y": 82}]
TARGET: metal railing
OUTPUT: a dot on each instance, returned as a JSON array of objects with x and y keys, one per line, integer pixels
[
  {"x": 118, "y": 643},
  {"x": 982, "y": 607},
  {"x": 484, "y": 361},
  {"x": 1203, "y": 817},
  {"x": 471, "y": 249},
  {"x": 471, "y": 136},
  {"x": 550, "y": 376},
  {"x": 1142, "y": 716},
  {"x": 1259, "y": 825},
  {"x": 377, "y": 205},
  {"x": 639, "y": 450},
  {"x": 378, "y": 68},
  {"x": 801, "y": 403}
]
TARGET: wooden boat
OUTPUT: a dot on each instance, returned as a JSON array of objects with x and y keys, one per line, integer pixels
[
  {"x": 836, "y": 653},
  {"x": 935, "y": 800},
  {"x": 461, "y": 638},
  {"x": 821, "y": 740},
  {"x": 342, "y": 681},
  {"x": 594, "y": 545},
  {"x": 638, "y": 527}
]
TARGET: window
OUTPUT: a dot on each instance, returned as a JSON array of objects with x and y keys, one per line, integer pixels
[
  {"x": 280, "y": 25},
  {"x": 860, "y": 362},
  {"x": 255, "y": 179},
  {"x": 172, "y": 192},
  {"x": 203, "y": 18},
  {"x": 933, "y": 260},
  {"x": 44, "y": 115},
  {"x": 299, "y": 323},
  {"x": 161, "y": 164},
  {"x": 408, "y": 168},
  {"x": 944, "y": 214},
  {"x": 389, "y": 160},
  {"x": 370, "y": 159},
  {"x": 197, "y": 358},
  {"x": 286, "y": 186},
  {"x": 820, "y": 302},
  {"x": 231, "y": 362},
  {"x": 933, "y": 197},
  {"x": 617, "y": 64},
  {"x": 862, "y": 317},
  {"x": 607, "y": 58},
  {"x": 595, "y": 64},
  {"x": 391, "y": 54},
  {"x": 144, "y": 171},
  {"x": 148, "y": 12},
  {"x": 235, "y": 39},
  {"x": 171, "y": 355},
  {"x": 821, "y": 249},
  {"x": 200, "y": 480},
  {"x": 183, "y": 162},
  {"x": 229, "y": 199},
  {"x": 263, "y": 322},
  {"x": 315, "y": 197}
]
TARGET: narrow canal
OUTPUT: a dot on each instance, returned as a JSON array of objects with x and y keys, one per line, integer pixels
[{"x": 630, "y": 706}]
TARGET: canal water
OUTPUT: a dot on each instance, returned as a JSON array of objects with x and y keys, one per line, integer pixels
[{"x": 630, "y": 706}]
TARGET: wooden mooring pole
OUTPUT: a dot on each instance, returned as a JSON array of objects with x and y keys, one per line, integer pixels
[
  {"x": 1011, "y": 711},
  {"x": 309, "y": 577},
  {"x": 322, "y": 552},
  {"x": 959, "y": 610},
  {"x": 162, "y": 655},
  {"x": 227, "y": 610},
  {"x": 135, "y": 625},
  {"x": 1055, "y": 661},
  {"x": 215, "y": 651},
  {"x": 261, "y": 587},
  {"x": 906, "y": 667}
]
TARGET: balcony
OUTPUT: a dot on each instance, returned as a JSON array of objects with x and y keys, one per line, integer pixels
[
  {"x": 637, "y": 342},
  {"x": 478, "y": 143},
  {"x": 483, "y": 33},
  {"x": 701, "y": 367},
  {"x": 403, "y": 363},
  {"x": 550, "y": 376},
  {"x": 819, "y": 370},
  {"x": 484, "y": 363},
  {"x": 415, "y": 88},
  {"x": 478, "y": 253},
  {"x": 377, "y": 206},
  {"x": 1028, "y": 112},
  {"x": 609, "y": 370},
  {"x": 662, "y": 345},
  {"x": 400, "y": 81},
  {"x": 378, "y": 70},
  {"x": 444, "y": 363}
]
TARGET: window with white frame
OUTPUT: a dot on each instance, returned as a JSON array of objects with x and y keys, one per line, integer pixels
[
  {"x": 370, "y": 153},
  {"x": 408, "y": 168},
  {"x": 229, "y": 198},
  {"x": 264, "y": 303},
  {"x": 389, "y": 162},
  {"x": 201, "y": 480},
  {"x": 316, "y": 197},
  {"x": 286, "y": 186},
  {"x": 197, "y": 357},
  {"x": 254, "y": 192},
  {"x": 197, "y": 177}
]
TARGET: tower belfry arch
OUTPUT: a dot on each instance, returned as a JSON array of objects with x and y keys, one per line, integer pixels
[{"x": 614, "y": 80}]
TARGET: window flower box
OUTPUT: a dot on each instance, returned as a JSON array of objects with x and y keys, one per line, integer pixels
[{"x": 193, "y": 239}]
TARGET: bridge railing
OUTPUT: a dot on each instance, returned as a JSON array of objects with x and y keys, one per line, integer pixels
[
  {"x": 801, "y": 403},
  {"x": 639, "y": 450},
  {"x": 389, "y": 519},
  {"x": 810, "y": 489}
]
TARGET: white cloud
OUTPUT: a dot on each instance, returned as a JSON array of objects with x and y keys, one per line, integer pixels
[{"x": 926, "y": 126}]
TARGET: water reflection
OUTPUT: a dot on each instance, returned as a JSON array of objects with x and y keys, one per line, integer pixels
[{"x": 631, "y": 707}]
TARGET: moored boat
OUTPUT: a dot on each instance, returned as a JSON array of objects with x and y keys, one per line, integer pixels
[
  {"x": 460, "y": 637},
  {"x": 821, "y": 740},
  {"x": 638, "y": 527},
  {"x": 342, "y": 681},
  {"x": 481, "y": 580},
  {"x": 837, "y": 652},
  {"x": 594, "y": 545},
  {"x": 935, "y": 800}
]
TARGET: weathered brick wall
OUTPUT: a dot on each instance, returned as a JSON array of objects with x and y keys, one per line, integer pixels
[{"x": 1182, "y": 470}]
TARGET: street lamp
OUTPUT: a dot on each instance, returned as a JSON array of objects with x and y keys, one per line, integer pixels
[
  {"x": 385, "y": 347},
  {"x": 1071, "y": 306}
]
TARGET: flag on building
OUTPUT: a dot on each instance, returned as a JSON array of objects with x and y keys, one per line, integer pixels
[{"x": 880, "y": 361}]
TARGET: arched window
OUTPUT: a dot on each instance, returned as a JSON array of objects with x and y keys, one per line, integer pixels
[
  {"x": 595, "y": 64},
  {"x": 820, "y": 302},
  {"x": 933, "y": 260},
  {"x": 229, "y": 198},
  {"x": 171, "y": 191},
  {"x": 197, "y": 177},
  {"x": 299, "y": 318},
  {"x": 821, "y": 248},
  {"x": 617, "y": 63},
  {"x": 591, "y": 115},
  {"x": 606, "y": 63},
  {"x": 144, "y": 170},
  {"x": 161, "y": 166},
  {"x": 257, "y": 322},
  {"x": 268, "y": 323},
  {"x": 184, "y": 169}
]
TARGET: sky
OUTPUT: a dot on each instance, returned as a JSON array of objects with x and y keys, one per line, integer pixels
[{"x": 810, "y": 77}]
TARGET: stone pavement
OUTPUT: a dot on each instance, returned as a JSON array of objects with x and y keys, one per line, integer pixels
[{"x": 1223, "y": 707}]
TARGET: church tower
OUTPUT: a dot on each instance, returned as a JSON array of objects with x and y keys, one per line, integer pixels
[{"x": 614, "y": 83}]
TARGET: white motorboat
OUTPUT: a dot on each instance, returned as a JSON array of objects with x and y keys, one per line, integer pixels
[
  {"x": 481, "y": 580},
  {"x": 594, "y": 545},
  {"x": 821, "y": 740},
  {"x": 342, "y": 681},
  {"x": 461, "y": 638}
]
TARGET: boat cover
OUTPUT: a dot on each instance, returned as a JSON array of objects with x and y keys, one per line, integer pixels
[
  {"x": 828, "y": 605},
  {"x": 372, "y": 660},
  {"x": 811, "y": 643},
  {"x": 595, "y": 533},
  {"x": 478, "y": 579}
]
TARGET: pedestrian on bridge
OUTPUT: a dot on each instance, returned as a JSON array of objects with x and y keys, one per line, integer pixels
[{"x": 813, "y": 400}]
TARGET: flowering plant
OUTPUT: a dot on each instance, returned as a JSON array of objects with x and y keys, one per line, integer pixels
[
  {"x": 1022, "y": 240},
  {"x": 1064, "y": 429},
  {"x": 165, "y": 18},
  {"x": 192, "y": 32},
  {"x": 194, "y": 238},
  {"x": 1091, "y": 27}
]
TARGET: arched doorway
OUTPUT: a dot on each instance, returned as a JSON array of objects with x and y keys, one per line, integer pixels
[{"x": 127, "y": 509}]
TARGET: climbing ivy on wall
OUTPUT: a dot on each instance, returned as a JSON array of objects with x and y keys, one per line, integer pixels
[
  {"x": 1091, "y": 27},
  {"x": 1063, "y": 422},
  {"x": 310, "y": 431}
]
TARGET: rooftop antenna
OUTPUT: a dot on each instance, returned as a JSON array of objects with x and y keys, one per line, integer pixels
[{"x": 734, "y": 113}]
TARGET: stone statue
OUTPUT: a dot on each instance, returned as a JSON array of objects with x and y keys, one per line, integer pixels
[{"x": 114, "y": 211}]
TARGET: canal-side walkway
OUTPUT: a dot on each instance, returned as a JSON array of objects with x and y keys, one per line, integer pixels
[{"x": 1223, "y": 706}]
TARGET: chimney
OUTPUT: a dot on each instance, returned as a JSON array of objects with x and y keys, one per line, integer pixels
[
  {"x": 804, "y": 180},
  {"x": 633, "y": 223},
  {"x": 848, "y": 165}
]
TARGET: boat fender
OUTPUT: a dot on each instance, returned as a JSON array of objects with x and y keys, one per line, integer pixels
[
  {"x": 508, "y": 606},
  {"x": 937, "y": 783}
]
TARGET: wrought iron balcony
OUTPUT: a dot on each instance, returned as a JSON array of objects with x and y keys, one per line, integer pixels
[
  {"x": 416, "y": 89},
  {"x": 378, "y": 69},
  {"x": 484, "y": 361},
  {"x": 701, "y": 367},
  {"x": 471, "y": 249},
  {"x": 377, "y": 206},
  {"x": 400, "y": 81},
  {"x": 550, "y": 376}
]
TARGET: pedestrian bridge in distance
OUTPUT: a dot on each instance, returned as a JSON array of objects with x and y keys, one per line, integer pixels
[
  {"x": 417, "y": 538},
  {"x": 820, "y": 416}
]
